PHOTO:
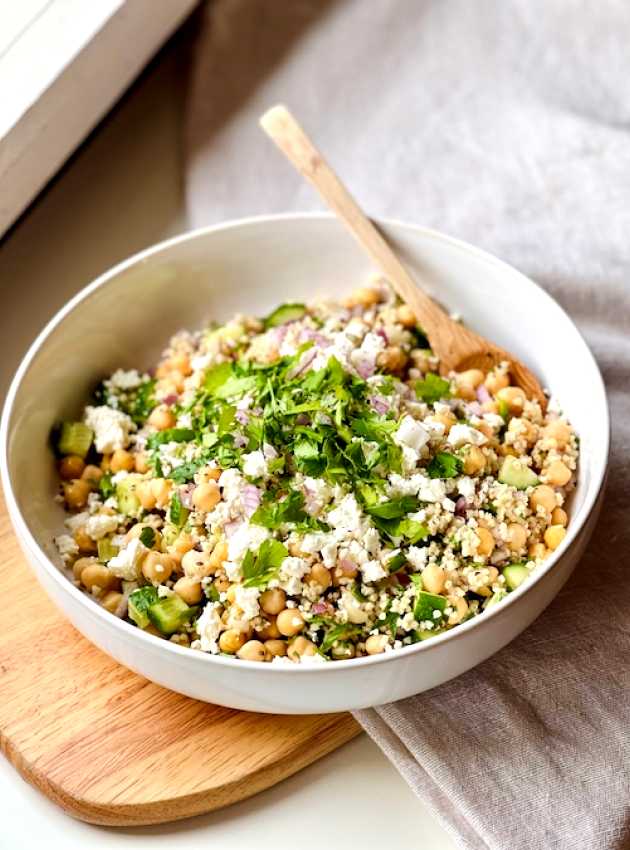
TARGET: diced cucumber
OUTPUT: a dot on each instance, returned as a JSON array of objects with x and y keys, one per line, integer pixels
[
  {"x": 496, "y": 597},
  {"x": 425, "y": 634},
  {"x": 139, "y": 603},
  {"x": 75, "y": 438},
  {"x": 426, "y": 604},
  {"x": 128, "y": 502},
  {"x": 516, "y": 474},
  {"x": 515, "y": 575},
  {"x": 106, "y": 549},
  {"x": 170, "y": 613},
  {"x": 285, "y": 313}
]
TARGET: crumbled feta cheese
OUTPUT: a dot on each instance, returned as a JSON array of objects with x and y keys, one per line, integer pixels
[
  {"x": 317, "y": 495},
  {"x": 292, "y": 571},
  {"x": 466, "y": 487},
  {"x": 412, "y": 434},
  {"x": 346, "y": 517},
  {"x": 111, "y": 428},
  {"x": 77, "y": 521},
  {"x": 101, "y": 524},
  {"x": 246, "y": 598},
  {"x": 209, "y": 627},
  {"x": 461, "y": 435},
  {"x": 126, "y": 564},
  {"x": 417, "y": 555},
  {"x": 125, "y": 380},
  {"x": 67, "y": 546},
  {"x": 351, "y": 607},
  {"x": 244, "y": 538},
  {"x": 372, "y": 571},
  {"x": 254, "y": 465}
]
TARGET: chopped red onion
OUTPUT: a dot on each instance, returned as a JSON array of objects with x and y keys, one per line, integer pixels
[
  {"x": 461, "y": 506},
  {"x": 321, "y": 607},
  {"x": 348, "y": 567},
  {"x": 185, "y": 495},
  {"x": 240, "y": 441},
  {"x": 379, "y": 404},
  {"x": 482, "y": 394},
  {"x": 170, "y": 399},
  {"x": 232, "y": 527},
  {"x": 302, "y": 419},
  {"x": 365, "y": 367},
  {"x": 305, "y": 362},
  {"x": 242, "y": 417},
  {"x": 250, "y": 497},
  {"x": 475, "y": 408},
  {"x": 383, "y": 335}
]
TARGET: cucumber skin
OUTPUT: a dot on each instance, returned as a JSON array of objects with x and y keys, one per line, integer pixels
[
  {"x": 515, "y": 575},
  {"x": 75, "y": 439},
  {"x": 169, "y": 614},
  {"x": 285, "y": 313}
]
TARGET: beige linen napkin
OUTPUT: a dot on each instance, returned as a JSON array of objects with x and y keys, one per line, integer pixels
[{"x": 506, "y": 123}]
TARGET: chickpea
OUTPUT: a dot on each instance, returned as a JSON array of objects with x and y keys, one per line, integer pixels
[
  {"x": 206, "y": 496},
  {"x": 111, "y": 601},
  {"x": 231, "y": 641},
  {"x": 433, "y": 578},
  {"x": 219, "y": 555},
  {"x": 514, "y": 397},
  {"x": 376, "y": 644},
  {"x": 474, "y": 460},
  {"x": 161, "y": 489},
  {"x": 231, "y": 594},
  {"x": 253, "y": 650},
  {"x": 320, "y": 576},
  {"x": 364, "y": 297},
  {"x": 299, "y": 647},
  {"x": 80, "y": 564},
  {"x": 393, "y": 359},
  {"x": 472, "y": 377},
  {"x": 517, "y": 536},
  {"x": 140, "y": 462},
  {"x": 460, "y": 609},
  {"x": 157, "y": 567},
  {"x": 273, "y": 601},
  {"x": 559, "y": 517},
  {"x": 97, "y": 575},
  {"x": 121, "y": 460},
  {"x": 70, "y": 467},
  {"x": 183, "y": 543},
  {"x": 188, "y": 589},
  {"x": 181, "y": 363},
  {"x": 537, "y": 551},
  {"x": 557, "y": 474},
  {"x": 554, "y": 536},
  {"x": 275, "y": 648},
  {"x": 543, "y": 496},
  {"x": 406, "y": 317},
  {"x": 197, "y": 565},
  {"x": 465, "y": 391},
  {"x": 84, "y": 541},
  {"x": 559, "y": 431},
  {"x": 146, "y": 497},
  {"x": 105, "y": 463},
  {"x": 92, "y": 474},
  {"x": 76, "y": 493},
  {"x": 496, "y": 380},
  {"x": 486, "y": 542},
  {"x": 290, "y": 622},
  {"x": 270, "y": 631},
  {"x": 444, "y": 418},
  {"x": 209, "y": 473},
  {"x": 162, "y": 418}
]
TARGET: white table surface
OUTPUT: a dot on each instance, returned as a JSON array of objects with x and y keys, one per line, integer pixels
[{"x": 120, "y": 193}]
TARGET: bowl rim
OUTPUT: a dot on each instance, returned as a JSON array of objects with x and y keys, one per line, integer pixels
[{"x": 96, "y": 612}]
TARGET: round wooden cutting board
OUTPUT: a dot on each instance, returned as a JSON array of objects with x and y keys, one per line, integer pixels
[{"x": 112, "y": 748}]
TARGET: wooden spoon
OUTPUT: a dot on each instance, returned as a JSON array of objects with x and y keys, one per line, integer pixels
[{"x": 457, "y": 347}]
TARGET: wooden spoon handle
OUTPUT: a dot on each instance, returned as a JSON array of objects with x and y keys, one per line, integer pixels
[{"x": 286, "y": 132}]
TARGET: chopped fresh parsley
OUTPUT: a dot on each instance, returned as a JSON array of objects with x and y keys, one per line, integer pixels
[
  {"x": 105, "y": 486},
  {"x": 177, "y": 514},
  {"x": 432, "y": 388},
  {"x": 444, "y": 465},
  {"x": 258, "y": 570},
  {"x": 170, "y": 435},
  {"x": 147, "y": 536}
]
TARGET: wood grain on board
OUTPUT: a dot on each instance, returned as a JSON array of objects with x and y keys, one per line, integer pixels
[{"x": 112, "y": 748}]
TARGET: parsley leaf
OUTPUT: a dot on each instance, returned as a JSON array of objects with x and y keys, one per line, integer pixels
[
  {"x": 170, "y": 435},
  {"x": 444, "y": 465},
  {"x": 259, "y": 569},
  {"x": 105, "y": 486},
  {"x": 394, "y": 508},
  {"x": 178, "y": 514},
  {"x": 147, "y": 536},
  {"x": 432, "y": 388}
]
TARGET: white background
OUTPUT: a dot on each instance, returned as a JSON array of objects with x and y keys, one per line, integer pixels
[{"x": 120, "y": 193}]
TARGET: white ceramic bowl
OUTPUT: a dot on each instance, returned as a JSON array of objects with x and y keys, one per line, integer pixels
[{"x": 125, "y": 317}]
